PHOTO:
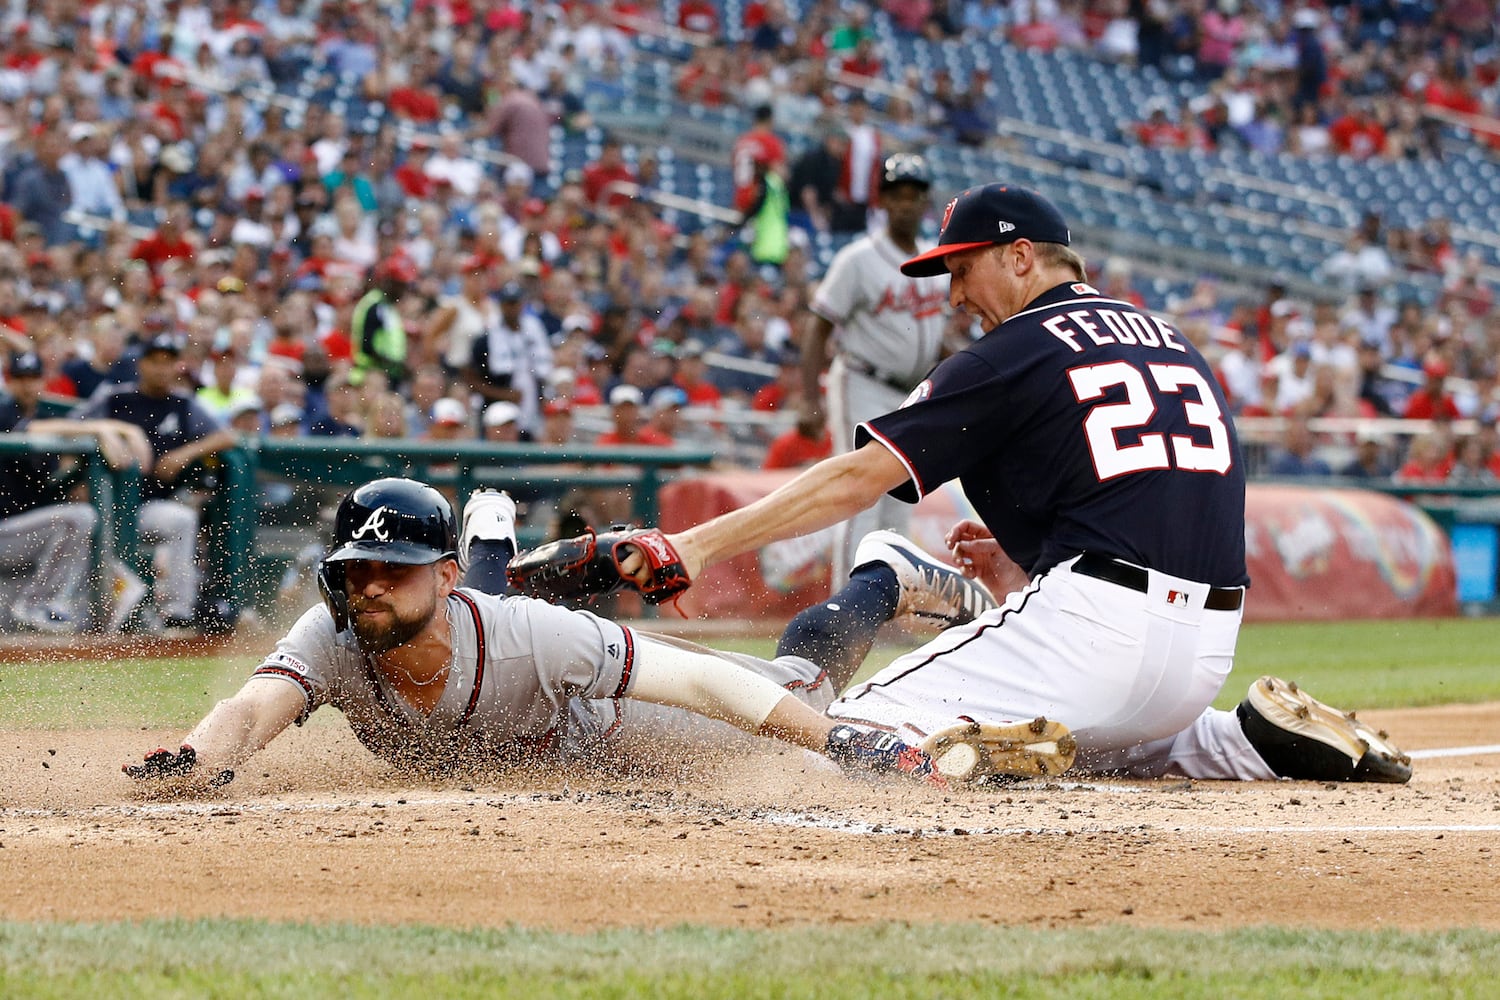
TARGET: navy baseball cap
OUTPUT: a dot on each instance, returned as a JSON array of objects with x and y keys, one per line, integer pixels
[
  {"x": 24, "y": 365},
  {"x": 989, "y": 215},
  {"x": 164, "y": 342}
]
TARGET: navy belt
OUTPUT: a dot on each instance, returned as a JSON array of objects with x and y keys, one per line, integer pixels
[
  {"x": 1135, "y": 578},
  {"x": 883, "y": 377}
]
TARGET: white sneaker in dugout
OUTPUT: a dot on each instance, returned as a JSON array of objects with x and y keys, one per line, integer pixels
[
  {"x": 973, "y": 751},
  {"x": 127, "y": 591},
  {"x": 490, "y": 516},
  {"x": 931, "y": 592}
]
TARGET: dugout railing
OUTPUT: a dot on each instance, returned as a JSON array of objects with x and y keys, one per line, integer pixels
[
  {"x": 231, "y": 481},
  {"x": 231, "y": 485}
]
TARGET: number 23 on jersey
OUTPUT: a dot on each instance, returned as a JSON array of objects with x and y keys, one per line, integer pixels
[{"x": 1175, "y": 385}]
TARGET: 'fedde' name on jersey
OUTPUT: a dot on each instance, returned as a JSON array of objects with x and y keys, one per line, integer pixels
[{"x": 1110, "y": 326}]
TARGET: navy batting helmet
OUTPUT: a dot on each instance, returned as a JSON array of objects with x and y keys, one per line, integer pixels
[
  {"x": 388, "y": 520},
  {"x": 905, "y": 168}
]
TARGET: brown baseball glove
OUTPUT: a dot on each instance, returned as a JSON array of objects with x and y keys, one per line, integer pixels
[{"x": 574, "y": 569}]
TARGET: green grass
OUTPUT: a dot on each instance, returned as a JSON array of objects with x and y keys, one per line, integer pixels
[
  {"x": 252, "y": 959},
  {"x": 1360, "y": 664},
  {"x": 86, "y": 694}
]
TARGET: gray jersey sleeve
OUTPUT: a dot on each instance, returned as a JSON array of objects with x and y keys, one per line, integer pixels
[
  {"x": 309, "y": 656},
  {"x": 579, "y": 654}
]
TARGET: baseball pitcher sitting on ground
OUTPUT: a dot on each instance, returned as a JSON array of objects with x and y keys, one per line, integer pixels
[{"x": 1095, "y": 445}]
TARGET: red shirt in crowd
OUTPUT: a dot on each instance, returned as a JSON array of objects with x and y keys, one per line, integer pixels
[
  {"x": 645, "y": 435},
  {"x": 698, "y": 15},
  {"x": 156, "y": 250},
  {"x": 792, "y": 451},
  {"x": 700, "y": 393},
  {"x": 1357, "y": 136},
  {"x": 1416, "y": 471},
  {"x": 413, "y": 181},
  {"x": 1421, "y": 405},
  {"x": 597, "y": 177},
  {"x": 415, "y": 104}
]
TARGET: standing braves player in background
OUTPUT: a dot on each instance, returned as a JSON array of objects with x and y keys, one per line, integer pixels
[
  {"x": 887, "y": 332},
  {"x": 1095, "y": 445},
  {"x": 431, "y": 673}
]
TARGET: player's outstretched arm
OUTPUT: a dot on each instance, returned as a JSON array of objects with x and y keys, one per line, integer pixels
[
  {"x": 235, "y": 729},
  {"x": 831, "y": 491},
  {"x": 698, "y": 682}
]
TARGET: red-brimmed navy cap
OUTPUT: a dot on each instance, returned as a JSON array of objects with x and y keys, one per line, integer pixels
[{"x": 983, "y": 216}]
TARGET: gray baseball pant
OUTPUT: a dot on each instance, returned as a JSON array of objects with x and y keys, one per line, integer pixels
[
  {"x": 173, "y": 528},
  {"x": 852, "y": 399},
  {"x": 49, "y": 547}
]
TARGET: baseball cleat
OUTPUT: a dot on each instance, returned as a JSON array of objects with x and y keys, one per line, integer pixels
[
  {"x": 931, "y": 591},
  {"x": 973, "y": 751},
  {"x": 1300, "y": 737},
  {"x": 489, "y": 516}
]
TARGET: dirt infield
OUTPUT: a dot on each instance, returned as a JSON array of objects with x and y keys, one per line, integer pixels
[{"x": 318, "y": 830}]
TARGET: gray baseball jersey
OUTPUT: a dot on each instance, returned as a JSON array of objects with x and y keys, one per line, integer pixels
[
  {"x": 527, "y": 677},
  {"x": 886, "y": 321},
  {"x": 890, "y": 335}
]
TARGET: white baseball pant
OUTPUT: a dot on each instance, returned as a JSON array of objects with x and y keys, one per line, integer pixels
[
  {"x": 1131, "y": 674},
  {"x": 49, "y": 548},
  {"x": 853, "y": 398},
  {"x": 172, "y": 527}
]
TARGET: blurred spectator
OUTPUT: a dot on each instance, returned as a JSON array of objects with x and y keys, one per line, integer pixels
[
  {"x": 501, "y": 423},
  {"x": 520, "y": 124},
  {"x": 1296, "y": 455},
  {"x": 1427, "y": 459},
  {"x": 450, "y": 421},
  {"x": 1371, "y": 460},
  {"x": 341, "y": 416},
  {"x": 665, "y": 413},
  {"x": 376, "y": 330},
  {"x": 42, "y": 193},
  {"x": 1358, "y": 264},
  {"x": 858, "y": 181},
  {"x": 512, "y": 359},
  {"x": 463, "y": 318},
  {"x": 692, "y": 375},
  {"x": 627, "y": 426},
  {"x": 1432, "y": 401},
  {"x": 1357, "y": 132},
  {"x": 767, "y": 217},
  {"x": 814, "y": 186},
  {"x": 805, "y": 443},
  {"x": 601, "y": 176},
  {"x": 1471, "y": 465},
  {"x": 758, "y": 148}
]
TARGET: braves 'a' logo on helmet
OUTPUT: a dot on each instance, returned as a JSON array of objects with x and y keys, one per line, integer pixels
[{"x": 374, "y": 527}]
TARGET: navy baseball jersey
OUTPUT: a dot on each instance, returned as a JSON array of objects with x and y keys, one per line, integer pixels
[
  {"x": 169, "y": 422},
  {"x": 1082, "y": 424},
  {"x": 26, "y": 481}
]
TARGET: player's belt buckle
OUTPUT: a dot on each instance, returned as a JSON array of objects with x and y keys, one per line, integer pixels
[
  {"x": 865, "y": 368},
  {"x": 1136, "y": 578}
]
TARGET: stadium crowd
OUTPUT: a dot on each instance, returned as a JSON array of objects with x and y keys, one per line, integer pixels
[{"x": 431, "y": 272}]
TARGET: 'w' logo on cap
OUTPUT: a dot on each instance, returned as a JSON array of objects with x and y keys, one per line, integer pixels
[{"x": 948, "y": 213}]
